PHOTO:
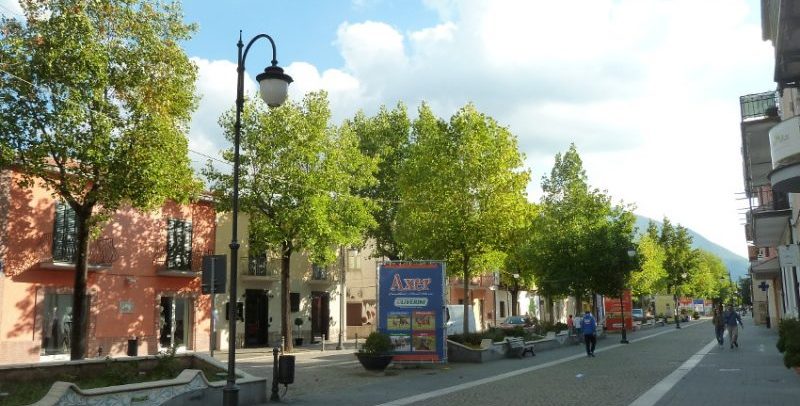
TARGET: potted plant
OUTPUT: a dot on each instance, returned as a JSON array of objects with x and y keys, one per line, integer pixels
[
  {"x": 375, "y": 355},
  {"x": 298, "y": 340}
]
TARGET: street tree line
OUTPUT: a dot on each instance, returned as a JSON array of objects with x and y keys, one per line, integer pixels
[
  {"x": 454, "y": 190},
  {"x": 96, "y": 99}
]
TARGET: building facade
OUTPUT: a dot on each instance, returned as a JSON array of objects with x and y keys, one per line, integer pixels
[
  {"x": 143, "y": 277},
  {"x": 770, "y": 130}
]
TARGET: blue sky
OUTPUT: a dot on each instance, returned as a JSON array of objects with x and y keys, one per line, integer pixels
[
  {"x": 304, "y": 30},
  {"x": 647, "y": 89}
]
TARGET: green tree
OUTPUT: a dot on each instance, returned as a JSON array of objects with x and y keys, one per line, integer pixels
[
  {"x": 96, "y": 98},
  {"x": 650, "y": 276},
  {"x": 744, "y": 289},
  {"x": 386, "y": 138},
  {"x": 462, "y": 190},
  {"x": 680, "y": 259},
  {"x": 580, "y": 239},
  {"x": 297, "y": 181},
  {"x": 709, "y": 277},
  {"x": 516, "y": 260}
]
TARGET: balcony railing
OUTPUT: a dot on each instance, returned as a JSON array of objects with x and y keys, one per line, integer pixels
[
  {"x": 759, "y": 105},
  {"x": 101, "y": 251},
  {"x": 484, "y": 281},
  {"x": 770, "y": 200},
  {"x": 262, "y": 266},
  {"x": 319, "y": 273}
]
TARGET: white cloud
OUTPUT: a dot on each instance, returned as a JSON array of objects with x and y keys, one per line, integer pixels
[
  {"x": 10, "y": 8},
  {"x": 648, "y": 90}
]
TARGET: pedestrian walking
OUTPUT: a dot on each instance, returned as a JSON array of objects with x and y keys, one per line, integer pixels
[
  {"x": 731, "y": 320},
  {"x": 589, "y": 329},
  {"x": 569, "y": 326},
  {"x": 719, "y": 325}
]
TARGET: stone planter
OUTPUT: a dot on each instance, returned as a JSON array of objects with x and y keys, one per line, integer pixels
[
  {"x": 372, "y": 362},
  {"x": 190, "y": 387},
  {"x": 457, "y": 352}
]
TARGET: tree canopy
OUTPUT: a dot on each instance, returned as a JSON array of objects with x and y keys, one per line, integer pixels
[
  {"x": 580, "y": 240},
  {"x": 462, "y": 190},
  {"x": 297, "y": 181},
  {"x": 96, "y": 99},
  {"x": 386, "y": 138}
]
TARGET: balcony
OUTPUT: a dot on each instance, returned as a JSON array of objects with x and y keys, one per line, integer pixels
[
  {"x": 476, "y": 282},
  {"x": 260, "y": 268},
  {"x": 61, "y": 255},
  {"x": 320, "y": 276},
  {"x": 780, "y": 25},
  {"x": 768, "y": 219},
  {"x": 760, "y": 112}
]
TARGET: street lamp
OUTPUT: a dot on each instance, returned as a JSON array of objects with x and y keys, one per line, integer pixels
[
  {"x": 677, "y": 313},
  {"x": 624, "y": 340},
  {"x": 274, "y": 86}
]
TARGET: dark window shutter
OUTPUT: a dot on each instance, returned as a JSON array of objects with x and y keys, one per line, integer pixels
[
  {"x": 64, "y": 233},
  {"x": 187, "y": 245},
  {"x": 171, "y": 244}
]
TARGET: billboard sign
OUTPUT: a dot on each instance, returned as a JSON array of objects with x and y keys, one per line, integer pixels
[
  {"x": 411, "y": 310},
  {"x": 614, "y": 311}
]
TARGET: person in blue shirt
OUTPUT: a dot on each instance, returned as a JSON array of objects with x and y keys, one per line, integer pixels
[
  {"x": 589, "y": 330},
  {"x": 731, "y": 320}
]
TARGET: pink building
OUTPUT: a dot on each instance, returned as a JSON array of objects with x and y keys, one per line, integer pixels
[{"x": 143, "y": 286}]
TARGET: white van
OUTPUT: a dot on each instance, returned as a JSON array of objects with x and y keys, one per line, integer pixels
[{"x": 454, "y": 316}]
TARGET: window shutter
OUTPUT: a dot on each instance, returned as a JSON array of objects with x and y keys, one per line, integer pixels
[
  {"x": 58, "y": 232},
  {"x": 170, "y": 244},
  {"x": 187, "y": 245}
]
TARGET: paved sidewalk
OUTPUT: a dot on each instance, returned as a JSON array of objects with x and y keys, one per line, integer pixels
[{"x": 752, "y": 374}]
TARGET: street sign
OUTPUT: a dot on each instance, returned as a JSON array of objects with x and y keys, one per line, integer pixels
[
  {"x": 763, "y": 286},
  {"x": 214, "y": 273}
]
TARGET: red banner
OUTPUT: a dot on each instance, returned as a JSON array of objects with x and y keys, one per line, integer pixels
[{"x": 615, "y": 309}]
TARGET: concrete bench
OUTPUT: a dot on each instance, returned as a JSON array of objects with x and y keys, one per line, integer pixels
[{"x": 518, "y": 347}]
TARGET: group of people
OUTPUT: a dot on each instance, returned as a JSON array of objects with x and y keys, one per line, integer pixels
[{"x": 729, "y": 319}]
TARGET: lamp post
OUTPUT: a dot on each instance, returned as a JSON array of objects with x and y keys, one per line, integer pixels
[
  {"x": 274, "y": 86},
  {"x": 677, "y": 313},
  {"x": 624, "y": 340},
  {"x": 343, "y": 252}
]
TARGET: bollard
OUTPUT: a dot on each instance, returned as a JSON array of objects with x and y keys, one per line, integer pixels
[
  {"x": 274, "y": 396},
  {"x": 356, "y": 342},
  {"x": 283, "y": 343},
  {"x": 323, "y": 343}
]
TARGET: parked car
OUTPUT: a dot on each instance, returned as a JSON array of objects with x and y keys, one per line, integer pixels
[
  {"x": 516, "y": 321},
  {"x": 638, "y": 315}
]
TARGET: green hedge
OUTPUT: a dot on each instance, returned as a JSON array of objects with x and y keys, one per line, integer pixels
[{"x": 789, "y": 342}]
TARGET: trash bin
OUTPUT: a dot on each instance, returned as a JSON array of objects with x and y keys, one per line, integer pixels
[
  {"x": 286, "y": 369},
  {"x": 133, "y": 347}
]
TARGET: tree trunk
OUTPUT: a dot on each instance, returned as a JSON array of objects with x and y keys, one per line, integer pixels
[
  {"x": 286, "y": 326},
  {"x": 514, "y": 296},
  {"x": 578, "y": 306},
  {"x": 79, "y": 302},
  {"x": 465, "y": 273}
]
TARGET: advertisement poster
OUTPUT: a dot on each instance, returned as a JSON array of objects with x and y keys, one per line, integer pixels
[
  {"x": 614, "y": 312},
  {"x": 411, "y": 310}
]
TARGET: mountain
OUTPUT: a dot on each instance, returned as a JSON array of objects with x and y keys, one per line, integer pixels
[{"x": 737, "y": 264}]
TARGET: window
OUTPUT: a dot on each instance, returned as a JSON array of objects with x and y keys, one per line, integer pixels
[
  {"x": 294, "y": 301},
  {"x": 319, "y": 272},
  {"x": 179, "y": 244},
  {"x": 57, "y": 325},
  {"x": 354, "y": 315},
  {"x": 64, "y": 234},
  {"x": 502, "y": 309}
]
